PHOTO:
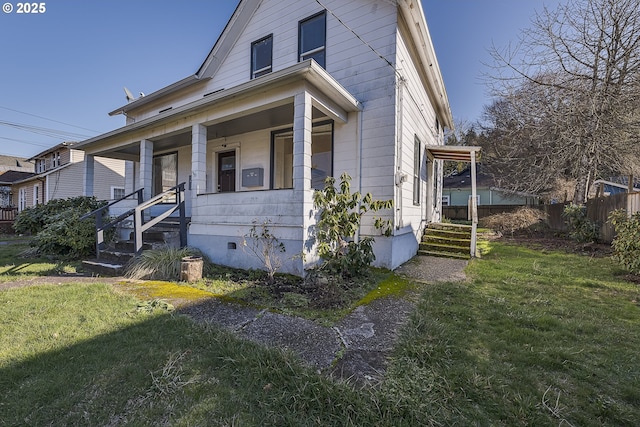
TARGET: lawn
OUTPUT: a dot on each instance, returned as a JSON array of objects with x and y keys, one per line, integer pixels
[{"x": 534, "y": 337}]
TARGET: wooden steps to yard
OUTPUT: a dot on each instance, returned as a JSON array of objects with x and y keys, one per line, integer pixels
[{"x": 446, "y": 240}]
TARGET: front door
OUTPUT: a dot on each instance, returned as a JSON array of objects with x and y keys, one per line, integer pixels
[{"x": 227, "y": 171}]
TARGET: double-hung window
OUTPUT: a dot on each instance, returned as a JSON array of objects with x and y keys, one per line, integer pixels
[
  {"x": 261, "y": 56},
  {"x": 312, "y": 36},
  {"x": 416, "y": 170}
]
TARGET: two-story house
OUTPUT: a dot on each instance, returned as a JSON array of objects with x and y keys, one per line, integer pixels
[
  {"x": 59, "y": 174},
  {"x": 294, "y": 91}
]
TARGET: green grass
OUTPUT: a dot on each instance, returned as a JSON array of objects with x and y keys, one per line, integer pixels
[
  {"x": 533, "y": 338},
  {"x": 13, "y": 264}
]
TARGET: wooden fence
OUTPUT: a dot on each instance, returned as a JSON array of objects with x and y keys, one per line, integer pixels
[{"x": 461, "y": 212}]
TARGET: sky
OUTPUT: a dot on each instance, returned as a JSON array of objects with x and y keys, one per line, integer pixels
[{"x": 62, "y": 70}]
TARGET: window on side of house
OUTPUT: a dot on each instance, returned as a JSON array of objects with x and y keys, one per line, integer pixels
[
  {"x": 36, "y": 194},
  {"x": 117, "y": 193},
  {"x": 22, "y": 199},
  {"x": 416, "y": 170},
  {"x": 282, "y": 159},
  {"x": 164, "y": 173},
  {"x": 445, "y": 201},
  {"x": 312, "y": 36},
  {"x": 477, "y": 199},
  {"x": 261, "y": 56}
]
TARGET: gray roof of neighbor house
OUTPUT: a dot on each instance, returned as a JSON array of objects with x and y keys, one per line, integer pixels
[
  {"x": 9, "y": 177},
  {"x": 463, "y": 179},
  {"x": 13, "y": 162}
]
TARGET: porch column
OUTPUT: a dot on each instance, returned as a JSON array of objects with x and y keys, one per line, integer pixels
[
  {"x": 146, "y": 167},
  {"x": 89, "y": 168},
  {"x": 474, "y": 205},
  {"x": 198, "y": 160},
  {"x": 129, "y": 177},
  {"x": 302, "y": 142}
]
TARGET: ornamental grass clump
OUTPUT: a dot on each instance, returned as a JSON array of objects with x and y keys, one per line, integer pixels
[{"x": 161, "y": 264}]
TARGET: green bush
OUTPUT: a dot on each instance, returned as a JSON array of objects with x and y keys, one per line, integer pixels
[
  {"x": 581, "y": 228},
  {"x": 340, "y": 215},
  {"x": 626, "y": 245},
  {"x": 57, "y": 228}
]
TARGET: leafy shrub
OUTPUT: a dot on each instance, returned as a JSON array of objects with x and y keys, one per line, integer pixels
[
  {"x": 581, "y": 228},
  {"x": 626, "y": 245},
  {"x": 162, "y": 264},
  {"x": 263, "y": 245},
  {"x": 340, "y": 215},
  {"x": 57, "y": 227},
  {"x": 509, "y": 222}
]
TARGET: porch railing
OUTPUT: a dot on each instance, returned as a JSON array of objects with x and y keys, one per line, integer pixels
[
  {"x": 8, "y": 214},
  {"x": 139, "y": 225}
]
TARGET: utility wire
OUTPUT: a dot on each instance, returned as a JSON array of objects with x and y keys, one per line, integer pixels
[
  {"x": 25, "y": 142},
  {"x": 45, "y": 118},
  {"x": 54, "y": 133}
]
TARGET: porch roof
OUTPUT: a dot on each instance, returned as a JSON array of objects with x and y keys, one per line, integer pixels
[
  {"x": 459, "y": 153},
  {"x": 307, "y": 71}
]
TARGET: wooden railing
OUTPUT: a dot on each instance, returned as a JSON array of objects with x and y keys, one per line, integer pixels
[
  {"x": 8, "y": 214},
  {"x": 174, "y": 195}
]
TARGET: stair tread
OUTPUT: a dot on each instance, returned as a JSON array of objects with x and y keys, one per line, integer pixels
[{"x": 444, "y": 254}]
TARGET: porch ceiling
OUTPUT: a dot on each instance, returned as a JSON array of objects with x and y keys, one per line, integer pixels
[
  {"x": 275, "y": 117},
  {"x": 458, "y": 153}
]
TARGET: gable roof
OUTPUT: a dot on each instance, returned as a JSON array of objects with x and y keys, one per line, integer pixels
[
  {"x": 52, "y": 149},
  {"x": 411, "y": 10}
]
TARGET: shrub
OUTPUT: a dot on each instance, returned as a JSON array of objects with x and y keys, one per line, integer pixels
[
  {"x": 626, "y": 245},
  {"x": 340, "y": 215},
  {"x": 57, "y": 228},
  {"x": 263, "y": 245},
  {"x": 581, "y": 228},
  {"x": 162, "y": 264},
  {"x": 509, "y": 222}
]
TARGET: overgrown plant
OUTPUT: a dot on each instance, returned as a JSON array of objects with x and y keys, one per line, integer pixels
[
  {"x": 341, "y": 213},
  {"x": 626, "y": 245},
  {"x": 56, "y": 227},
  {"x": 581, "y": 228},
  {"x": 162, "y": 264},
  {"x": 262, "y": 244}
]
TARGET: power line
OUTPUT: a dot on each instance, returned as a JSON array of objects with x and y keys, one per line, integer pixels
[
  {"x": 25, "y": 141},
  {"x": 45, "y": 118},
  {"x": 54, "y": 133}
]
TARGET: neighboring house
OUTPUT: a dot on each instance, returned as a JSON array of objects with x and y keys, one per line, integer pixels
[
  {"x": 59, "y": 174},
  {"x": 457, "y": 191},
  {"x": 292, "y": 93},
  {"x": 614, "y": 185},
  {"x": 7, "y": 180}
]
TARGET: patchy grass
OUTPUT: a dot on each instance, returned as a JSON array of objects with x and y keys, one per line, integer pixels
[{"x": 16, "y": 261}]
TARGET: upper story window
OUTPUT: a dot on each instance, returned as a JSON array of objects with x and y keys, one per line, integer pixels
[
  {"x": 41, "y": 165},
  {"x": 312, "y": 36},
  {"x": 261, "y": 56},
  {"x": 55, "y": 159}
]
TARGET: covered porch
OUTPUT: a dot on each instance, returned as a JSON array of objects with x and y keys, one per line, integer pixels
[{"x": 249, "y": 154}]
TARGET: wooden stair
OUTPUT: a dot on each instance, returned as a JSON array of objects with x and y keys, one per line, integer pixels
[
  {"x": 114, "y": 259},
  {"x": 446, "y": 240}
]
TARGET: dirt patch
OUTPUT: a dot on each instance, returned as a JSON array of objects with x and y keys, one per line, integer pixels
[{"x": 550, "y": 242}]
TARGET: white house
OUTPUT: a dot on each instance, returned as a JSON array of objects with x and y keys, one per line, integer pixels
[{"x": 291, "y": 92}]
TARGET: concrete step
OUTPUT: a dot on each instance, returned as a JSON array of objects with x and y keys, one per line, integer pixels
[
  {"x": 438, "y": 239},
  {"x": 103, "y": 268},
  {"x": 444, "y": 247},
  {"x": 444, "y": 254}
]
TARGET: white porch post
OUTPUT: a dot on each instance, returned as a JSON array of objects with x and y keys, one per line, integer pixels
[
  {"x": 129, "y": 177},
  {"x": 89, "y": 169},
  {"x": 302, "y": 162},
  {"x": 474, "y": 205},
  {"x": 198, "y": 160},
  {"x": 146, "y": 167}
]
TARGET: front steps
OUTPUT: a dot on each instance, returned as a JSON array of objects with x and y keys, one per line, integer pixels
[
  {"x": 113, "y": 260},
  {"x": 446, "y": 240}
]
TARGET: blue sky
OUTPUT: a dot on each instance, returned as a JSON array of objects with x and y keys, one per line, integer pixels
[{"x": 66, "y": 67}]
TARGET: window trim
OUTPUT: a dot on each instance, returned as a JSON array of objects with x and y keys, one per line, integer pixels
[
  {"x": 446, "y": 200},
  {"x": 36, "y": 194},
  {"x": 113, "y": 191},
  {"x": 317, "y": 49},
  {"x": 417, "y": 151},
  {"x": 269, "y": 68}
]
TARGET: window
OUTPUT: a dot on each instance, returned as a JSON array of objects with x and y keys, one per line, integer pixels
[
  {"x": 477, "y": 199},
  {"x": 416, "y": 170},
  {"x": 261, "y": 56},
  {"x": 55, "y": 159},
  {"x": 40, "y": 165},
  {"x": 321, "y": 156},
  {"x": 312, "y": 34},
  {"x": 117, "y": 193},
  {"x": 22, "y": 199},
  {"x": 165, "y": 173},
  {"x": 445, "y": 201},
  {"x": 36, "y": 194}
]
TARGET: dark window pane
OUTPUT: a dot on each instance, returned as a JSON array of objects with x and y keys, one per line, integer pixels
[
  {"x": 261, "y": 57},
  {"x": 312, "y": 39}
]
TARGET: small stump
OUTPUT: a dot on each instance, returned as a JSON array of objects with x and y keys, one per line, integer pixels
[{"x": 191, "y": 268}]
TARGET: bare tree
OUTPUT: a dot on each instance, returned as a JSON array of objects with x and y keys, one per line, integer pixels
[{"x": 567, "y": 100}]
